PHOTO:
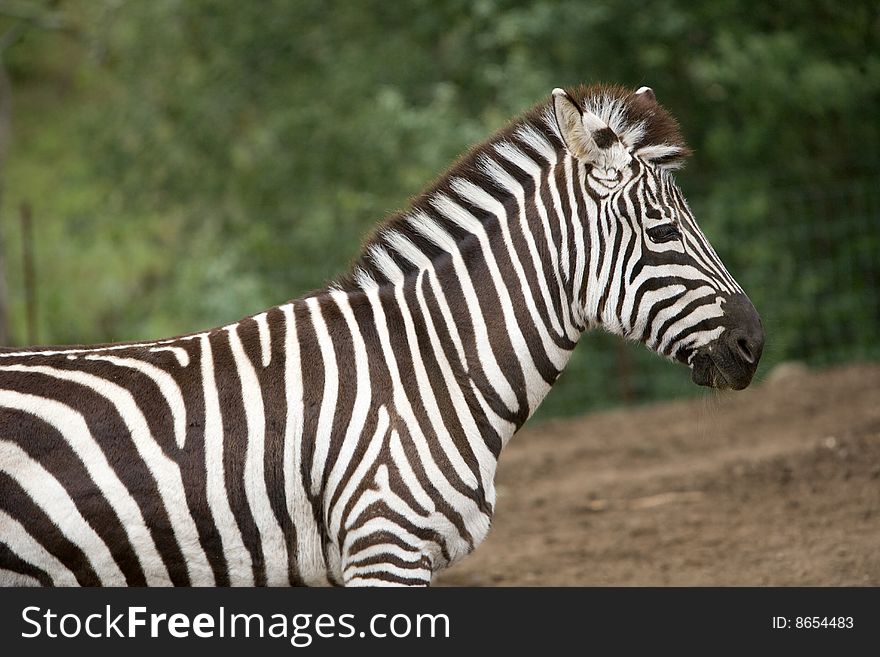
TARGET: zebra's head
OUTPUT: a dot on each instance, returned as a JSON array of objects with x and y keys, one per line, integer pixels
[{"x": 650, "y": 273}]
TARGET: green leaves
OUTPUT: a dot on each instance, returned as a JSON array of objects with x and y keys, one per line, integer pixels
[{"x": 197, "y": 161}]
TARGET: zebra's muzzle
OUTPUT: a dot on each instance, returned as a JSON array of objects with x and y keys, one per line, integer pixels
[
  {"x": 701, "y": 370},
  {"x": 706, "y": 371},
  {"x": 732, "y": 359}
]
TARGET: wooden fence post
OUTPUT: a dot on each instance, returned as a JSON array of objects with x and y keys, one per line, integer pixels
[{"x": 30, "y": 273}]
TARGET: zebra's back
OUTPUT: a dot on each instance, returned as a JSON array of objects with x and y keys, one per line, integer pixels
[{"x": 289, "y": 448}]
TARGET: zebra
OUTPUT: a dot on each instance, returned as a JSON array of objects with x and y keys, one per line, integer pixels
[{"x": 351, "y": 436}]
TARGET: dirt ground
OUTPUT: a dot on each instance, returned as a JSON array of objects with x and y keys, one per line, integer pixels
[{"x": 777, "y": 485}]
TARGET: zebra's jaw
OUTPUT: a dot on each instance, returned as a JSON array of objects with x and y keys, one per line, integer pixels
[{"x": 704, "y": 372}]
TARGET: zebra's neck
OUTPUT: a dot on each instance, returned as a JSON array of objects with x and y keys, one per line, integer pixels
[{"x": 487, "y": 261}]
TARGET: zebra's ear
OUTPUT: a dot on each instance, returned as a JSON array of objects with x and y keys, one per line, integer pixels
[
  {"x": 646, "y": 94},
  {"x": 572, "y": 128}
]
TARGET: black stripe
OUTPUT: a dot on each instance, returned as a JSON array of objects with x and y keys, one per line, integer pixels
[
  {"x": 235, "y": 445},
  {"x": 535, "y": 271},
  {"x": 11, "y": 561},
  {"x": 460, "y": 371},
  {"x": 191, "y": 460},
  {"x": 604, "y": 137},
  {"x": 379, "y": 509},
  {"x": 409, "y": 382},
  {"x": 657, "y": 284},
  {"x": 46, "y": 446},
  {"x": 343, "y": 349},
  {"x": 395, "y": 579},
  {"x": 16, "y": 502},
  {"x": 312, "y": 371},
  {"x": 451, "y": 422},
  {"x": 143, "y": 388},
  {"x": 391, "y": 559},
  {"x": 112, "y": 436}
]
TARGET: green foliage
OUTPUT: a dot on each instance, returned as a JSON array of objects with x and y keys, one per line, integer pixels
[{"x": 193, "y": 162}]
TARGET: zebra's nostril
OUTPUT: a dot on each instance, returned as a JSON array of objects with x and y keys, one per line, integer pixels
[{"x": 745, "y": 351}]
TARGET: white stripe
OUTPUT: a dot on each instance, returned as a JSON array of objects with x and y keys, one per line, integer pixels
[
  {"x": 521, "y": 160},
  {"x": 364, "y": 279},
  {"x": 701, "y": 313},
  {"x": 359, "y": 413},
  {"x": 406, "y": 248},
  {"x": 167, "y": 386},
  {"x": 181, "y": 354},
  {"x": 657, "y": 151},
  {"x": 265, "y": 338},
  {"x": 327, "y": 411},
  {"x": 576, "y": 222},
  {"x": 47, "y": 493},
  {"x": 671, "y": 311},
  {"x": 479, "y": 196},
  {"x": 271, "y": 536},
  {"x": 238, "y": 558},
  {"x": 375, "y": 445},
  {"x": 463, "y": 504},
  {"x": 695, "y": 341},
  {"x": 536, "y": 386},
  {"x": 164, "y": 470},
  {"x": 309, "y": 554},
  {"x": 385, "y": 263},
  {"x": 537, "y": 142},
  {"x": 426, "y": 394},
  {"x": 413, "y": 556},
  {"x": 92, "y": 350},
  {"x": 485, "y": 355},
  {"x": 11, "y": 578},
  {"x": 373, "y": 582},
  {"x": 363, "y": 572},
  {"x": 27, "y": 549}
]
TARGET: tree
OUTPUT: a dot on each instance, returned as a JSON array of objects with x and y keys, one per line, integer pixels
[{"x": 216, "y": 158}]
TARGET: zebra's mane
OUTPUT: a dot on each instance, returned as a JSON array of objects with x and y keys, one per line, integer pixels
[{"x": 404, "y": 243}]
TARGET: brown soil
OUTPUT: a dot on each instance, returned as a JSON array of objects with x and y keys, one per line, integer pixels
[{"x": 778, "y": 485}]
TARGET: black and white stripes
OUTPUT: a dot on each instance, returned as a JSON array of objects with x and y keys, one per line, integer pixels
[{"x": 352, "y": 436}]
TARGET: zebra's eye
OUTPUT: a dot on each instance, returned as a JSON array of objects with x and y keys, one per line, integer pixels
[{"x": 664, "y": 233}]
